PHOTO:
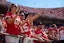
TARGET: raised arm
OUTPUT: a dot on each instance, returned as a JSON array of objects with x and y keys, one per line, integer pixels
[{"x": 35, "y": 17}]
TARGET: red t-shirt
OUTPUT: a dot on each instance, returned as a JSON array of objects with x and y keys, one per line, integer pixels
[{"x": 12, "y": 28}]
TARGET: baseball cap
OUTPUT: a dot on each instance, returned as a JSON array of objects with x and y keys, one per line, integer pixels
[
  {"x": 40, "y": 23},
  {"x": 2, "y": 15}
]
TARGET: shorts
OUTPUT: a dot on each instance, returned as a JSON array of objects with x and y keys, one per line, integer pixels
[{"x": 11, "y": 39}]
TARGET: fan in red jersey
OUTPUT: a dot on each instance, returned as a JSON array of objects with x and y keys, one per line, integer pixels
[
  {"x": 12, "y": 28},
  {"x": 40, "y": 35},
  {"x": 28, "y": 24},
  {"x": 13, "y": 22}
]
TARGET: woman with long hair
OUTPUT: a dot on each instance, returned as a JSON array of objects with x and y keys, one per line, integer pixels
[{"x": 12, "y": 26}]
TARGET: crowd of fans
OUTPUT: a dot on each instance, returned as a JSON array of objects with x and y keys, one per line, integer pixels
[
  {"x": 14, "y": 23},
  {"x": 49, "y": 12}
]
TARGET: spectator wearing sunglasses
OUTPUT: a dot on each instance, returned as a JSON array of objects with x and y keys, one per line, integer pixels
[{"x": 12, "y": 27}]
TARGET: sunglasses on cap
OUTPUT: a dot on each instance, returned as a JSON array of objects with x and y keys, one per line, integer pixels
[
  {"x": 13, "y": 5},
  {"x": 2, "y": 15}
]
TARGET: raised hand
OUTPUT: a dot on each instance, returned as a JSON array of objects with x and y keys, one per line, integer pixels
[
  {"x": 41, "y": 13},
  {"x": 18, "y": 11}
]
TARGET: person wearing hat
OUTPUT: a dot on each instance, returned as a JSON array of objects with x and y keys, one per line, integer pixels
[{"x": 22, "y": 19}]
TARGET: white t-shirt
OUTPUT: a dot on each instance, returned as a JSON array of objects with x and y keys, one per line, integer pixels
[
  {"x": 61, "y": 35},
  {"x": 1, "y": 26}
]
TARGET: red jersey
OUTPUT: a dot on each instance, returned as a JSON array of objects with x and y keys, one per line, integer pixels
[
  {"x": 26, "y": 28},
  {"x": 32, "y": 32},
  {"x": 41, "y": 33},
  {"x": 9, "y": 14},
  {"x": 12, "y": 28}
]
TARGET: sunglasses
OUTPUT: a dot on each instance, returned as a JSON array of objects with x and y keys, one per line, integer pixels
[{"x": 15, "y": 7}]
